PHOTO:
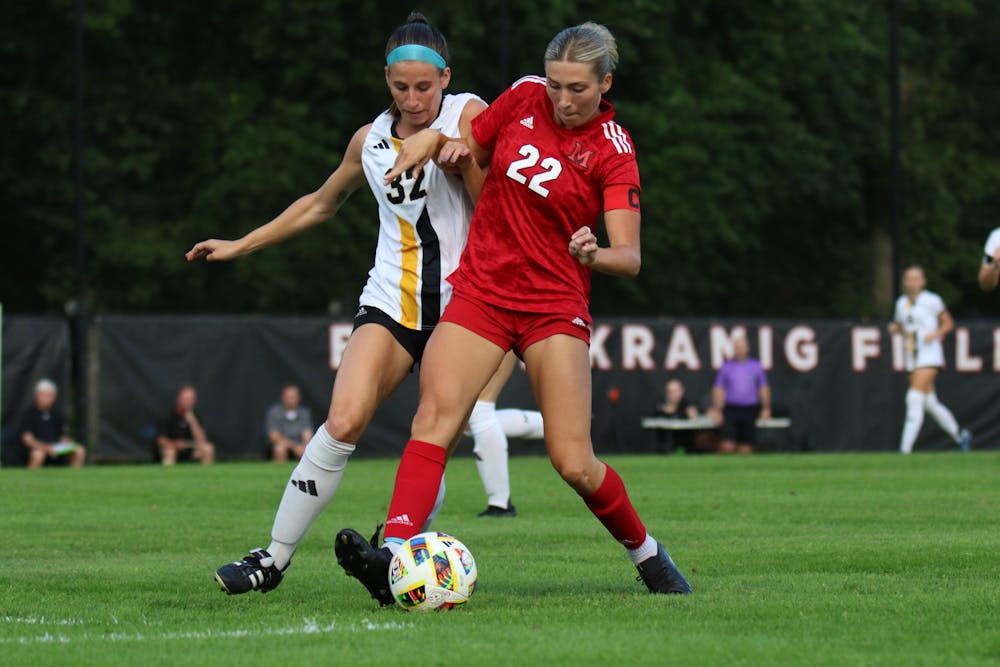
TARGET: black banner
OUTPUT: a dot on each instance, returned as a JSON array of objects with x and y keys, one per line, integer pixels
[
  {"x": 237, "y": 364},
  {"x": 33, "y": 348},
  {"x": 841, "y": 383}
]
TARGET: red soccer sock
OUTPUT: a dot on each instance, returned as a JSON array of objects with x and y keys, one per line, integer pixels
[
  {"x": 418, "y": 479},
  {"x": 611, "y": 504}
]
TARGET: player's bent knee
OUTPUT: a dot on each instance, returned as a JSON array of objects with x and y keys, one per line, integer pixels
[
  {"x": 435, "y": 420},
  {"x": 346, "y": 425},
  {"x": 576, "y": 472}
]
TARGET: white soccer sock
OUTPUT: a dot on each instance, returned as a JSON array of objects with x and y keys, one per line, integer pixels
[
  {"x": 914, "y": 420},
  {"x": 646, "y": 550},
  {"x": 942, "y": 415},
  {"x": 521, "y": 423},
  {"x": 438, "y": 504},
  {"x": 491, "y": 453},
  {"x": 311, "y": 488}
]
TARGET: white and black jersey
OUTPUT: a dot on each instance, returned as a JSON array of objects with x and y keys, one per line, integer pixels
[
  {"x": 423, "y": 225},
  {"x": 918, "y": 318}
]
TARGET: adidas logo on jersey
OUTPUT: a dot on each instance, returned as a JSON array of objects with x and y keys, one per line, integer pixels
[
  {"x": 528, "y": 122},
  {"x": 384, "y": 145}
]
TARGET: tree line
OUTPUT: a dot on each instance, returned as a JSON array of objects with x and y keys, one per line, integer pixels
[{"x": 761, "y": 130}]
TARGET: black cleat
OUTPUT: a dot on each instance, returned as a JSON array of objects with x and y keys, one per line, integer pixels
[
  {"x": 363, "y": 560},
  {"x": 661, "y": 575},
  {"x": 256, "y": 572},
  {"x": 499, "y": 512}
]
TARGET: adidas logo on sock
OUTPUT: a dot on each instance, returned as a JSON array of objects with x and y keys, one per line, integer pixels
[
  {"x": 384, "y": 145},
  {"x": 528, "y": 122},
  {"x": 307, "y": 486},
  {"x": 403, "y": 519}
]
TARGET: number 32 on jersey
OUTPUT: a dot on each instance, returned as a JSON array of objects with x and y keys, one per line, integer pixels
[{"x": 551, "y": 165}]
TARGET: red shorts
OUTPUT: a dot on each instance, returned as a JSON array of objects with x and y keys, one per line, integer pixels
[{"x": 513, "y": 328}]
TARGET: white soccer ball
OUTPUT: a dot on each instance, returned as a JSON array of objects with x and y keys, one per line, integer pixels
[{"x": 432, "y": 572}]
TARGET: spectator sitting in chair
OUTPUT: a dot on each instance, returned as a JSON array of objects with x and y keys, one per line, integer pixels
[
  {"x": 740, "y": 395},
  {"x": 289, "y": 425},
  {"x": 675, "y": 406},
  {"x": 182, "y": 435},
  {"x": 44, "y": 433}
]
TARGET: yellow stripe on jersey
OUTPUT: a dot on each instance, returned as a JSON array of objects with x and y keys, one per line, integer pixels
[{"x": 409, "y": 263}]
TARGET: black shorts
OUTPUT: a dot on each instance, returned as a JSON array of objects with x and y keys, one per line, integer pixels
[
  {"x": 739, "y": 423},
  {"x": 413, "y": 340}
]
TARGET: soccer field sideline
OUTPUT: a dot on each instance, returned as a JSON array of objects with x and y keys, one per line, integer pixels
[{"x": 825, "y": 559}]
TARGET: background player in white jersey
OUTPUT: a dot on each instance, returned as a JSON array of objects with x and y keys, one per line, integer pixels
[
  {"x": 989, "y": 272},
  {"x": 491, "y": 443},
  {"x": 424, "y": 221},
  {"x": 923, "y": 320}
]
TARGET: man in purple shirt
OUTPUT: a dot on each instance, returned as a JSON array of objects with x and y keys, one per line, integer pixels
[{"x": 740, "y": 395}]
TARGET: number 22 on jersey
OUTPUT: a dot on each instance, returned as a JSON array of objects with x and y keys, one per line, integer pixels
[{"x": 551, "y": 165}]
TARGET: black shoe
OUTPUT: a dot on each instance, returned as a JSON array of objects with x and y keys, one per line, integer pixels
[
  {"x": 661, "y": 575},
  {"x": 256, "y": 572},
  {"x": 364, "y": 561},
  {"x": 499, "y": 512}
]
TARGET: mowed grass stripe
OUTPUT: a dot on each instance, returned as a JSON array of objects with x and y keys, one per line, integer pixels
[{"x": 851, "y": 559}]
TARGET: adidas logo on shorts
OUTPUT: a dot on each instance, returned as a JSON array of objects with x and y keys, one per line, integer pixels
[{"x": 578, "y": 321}]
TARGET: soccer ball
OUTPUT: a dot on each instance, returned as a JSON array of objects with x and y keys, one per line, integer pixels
[{"x": 432, "y": 572}]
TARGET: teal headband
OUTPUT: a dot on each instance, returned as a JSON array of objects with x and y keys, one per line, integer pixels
[{"x": 415, "y": 52}]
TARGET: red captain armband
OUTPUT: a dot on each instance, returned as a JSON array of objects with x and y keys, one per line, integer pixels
[{"x": 621, "y": 196}]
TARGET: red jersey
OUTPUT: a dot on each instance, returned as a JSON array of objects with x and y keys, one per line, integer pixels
[{"x": 544, "y": 183}]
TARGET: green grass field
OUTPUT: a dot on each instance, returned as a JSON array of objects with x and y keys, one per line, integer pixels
[{"x": 804, "y": 559}]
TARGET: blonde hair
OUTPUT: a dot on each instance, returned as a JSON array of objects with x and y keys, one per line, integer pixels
[{"x": 589, "y": 43}]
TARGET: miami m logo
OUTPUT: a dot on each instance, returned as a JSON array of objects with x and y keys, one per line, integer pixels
[{"x": 580, "y": 157}]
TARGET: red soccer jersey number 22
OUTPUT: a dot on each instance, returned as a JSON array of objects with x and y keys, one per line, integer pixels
[
  {"x": 552, "y": 168},
  {"x": 545, "y": 182}
]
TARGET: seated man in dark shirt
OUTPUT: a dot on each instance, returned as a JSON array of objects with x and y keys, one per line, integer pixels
[
  {"x": 182, "y": 434},
  {"x": 44, "y": 433}
]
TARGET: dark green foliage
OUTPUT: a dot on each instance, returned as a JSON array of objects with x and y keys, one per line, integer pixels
[{"x": 761, "y": 129}]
